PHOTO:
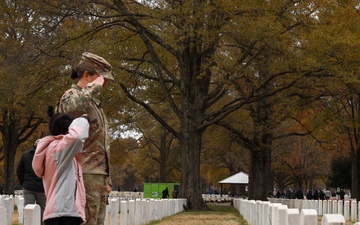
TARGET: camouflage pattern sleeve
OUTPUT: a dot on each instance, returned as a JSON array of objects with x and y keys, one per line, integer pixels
[
  {"x": 92, "y": 90},
  {"x": 76, "y": 100}
]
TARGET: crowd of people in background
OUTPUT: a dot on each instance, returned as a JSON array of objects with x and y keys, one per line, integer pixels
[{"x": 317, "y": 195}]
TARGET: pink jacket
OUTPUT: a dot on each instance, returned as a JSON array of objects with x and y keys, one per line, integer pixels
[{"x": 58, "y": 162}]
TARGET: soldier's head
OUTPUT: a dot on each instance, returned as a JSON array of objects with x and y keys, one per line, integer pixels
[
  {"x": 92, "y": 66},
  {"x": 59, "y": 123}
]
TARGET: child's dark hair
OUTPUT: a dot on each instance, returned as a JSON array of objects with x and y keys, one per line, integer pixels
[
  {"x": 59, "y": 123},
  {"x": 79, "y": 71}
]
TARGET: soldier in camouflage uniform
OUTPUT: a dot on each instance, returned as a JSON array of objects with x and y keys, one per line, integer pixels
[{"x": 92, "y": 73}]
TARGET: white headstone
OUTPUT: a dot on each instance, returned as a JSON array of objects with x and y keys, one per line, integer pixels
[
  {"x": 2, "y": 203},
  {"x": 293, "y": 217},
  {"x": 333, "y": 219},
  {"x": 138, "y": 211},
  {"x": 165, "y": 207},
  {"x": 353, "y": 210},
  {"x": 3, "y": 216},
  {"x": 123, "y": 212},
  {"x": 274, "y": 213},
  {"x": 265, "y": 216},
  {"x": 20, "y": 209},
  {"x": 143, "y": 211},
  {"x": 308, "y": 217},
  {"x": 155, "y": 210},
  {"x": 329, "y": 207},
  {"x": 114, "y": 209},
  {"x": 282, "y": 214},
  {"x": 9, "y": 205},
  {"x": 257, "y": 212},
  {"x": 151, "y": 209},
  {"x": 32, "y": 214},
  {"x": 334, "y": 207},
  {"x": 340, "y": 207},
  {"x": 347, "y": 210},
  {"x": 325, "y": 207},
  {"x": 107, "y": 212},
  {"x": 160, "y": 208},
  {"x": 131, "y": 212}
]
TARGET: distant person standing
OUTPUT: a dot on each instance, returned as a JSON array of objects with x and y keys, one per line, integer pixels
[
  {"x": 322, "y": 195},
  {"x": 309, "y": 195},
  {"x": 342, "y": 194},
  {"x": 174, "y": 193},
  {"x": 165, "y": 193},
  {"x": 32, "y": 185},
  {"x": 278, "y": 194},
  {"x": 316, "y": 195},
  {"x": 299, "y": 194},
  {"x": 91, "y": 75}
]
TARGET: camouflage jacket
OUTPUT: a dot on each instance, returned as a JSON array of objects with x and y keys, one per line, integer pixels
[{"x": 96, "y": 152}]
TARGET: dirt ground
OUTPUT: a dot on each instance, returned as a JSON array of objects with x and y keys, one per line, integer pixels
[
  {"x": 210, "y": 218},
  {"x": 15, "y": 218},
  {"x": 185, "y": 219}
]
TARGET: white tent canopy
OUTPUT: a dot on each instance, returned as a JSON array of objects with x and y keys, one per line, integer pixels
[{"x": 239, "y": 178}]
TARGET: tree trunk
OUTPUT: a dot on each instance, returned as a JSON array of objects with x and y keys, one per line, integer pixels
[
  {"x": 259, "y": 177},
  {"x": 190, "y": 139},
  {"x": 355, "y": 175},
  {"x": 190, "y": 166},
  {"x": 10, "y": 140},
  {"x": 355, "y": 167},
  {"x": 9, "y": 171},
  {"x": 164, "y": 152}
]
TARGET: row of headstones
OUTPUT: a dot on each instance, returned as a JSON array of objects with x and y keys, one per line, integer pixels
[
  {"x": 142, "y": 211},
  {"x": 127, "y": 194},
  {"x": 349, "y": 209},
  {"x": 266, "y": 213},
  {"x": 121, "y": 194},
  {"x": 216, "y": 198},
  {"x": 139, "y": 211}
]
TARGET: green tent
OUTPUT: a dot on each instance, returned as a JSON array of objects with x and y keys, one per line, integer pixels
[{"x": 154, "y": 190}]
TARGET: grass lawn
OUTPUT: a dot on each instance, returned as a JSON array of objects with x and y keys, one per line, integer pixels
[{"x": 218, "y": 215}]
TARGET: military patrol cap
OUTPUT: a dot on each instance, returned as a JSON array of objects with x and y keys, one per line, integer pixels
[{"x": 98, "y": 63}]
